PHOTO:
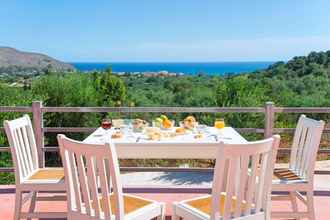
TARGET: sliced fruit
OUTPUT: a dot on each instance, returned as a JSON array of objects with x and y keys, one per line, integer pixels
[
  {"x": 167, "y": 123},
  {"x": 163, "y": 117},
  {"x": 159, "y": 120},
  {"x": 190, "y": 119}
]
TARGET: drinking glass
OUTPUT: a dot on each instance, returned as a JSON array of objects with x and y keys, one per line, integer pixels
[
  {"x": 201, "y": 128},
  {"x": 219, "y": 123},
  {"x": 106, "y": 123}
]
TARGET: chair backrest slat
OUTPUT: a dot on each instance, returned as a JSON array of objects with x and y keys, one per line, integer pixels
[
  {"x": 247, "y": 179},
  {"x": 263, "y": 169},
  {"x": 305, "y": 145},
  {"x": 20, "y": 155},
  {"x": 28, "y": 149},
  {"x": 87, "y": 168},
  {"x": 83, "y": 182},
  {"x": 92, "y": 182},
  {"x": 243, "y": 176},
  {"x": 229, "y": 186},
  {"x": 25, "y": 152},
  {"x": 23, "y": 147},
  {"x": 71, "y": 160},
  {"x": 251, "y": 183},
  {"x": 104, "y": 189}
]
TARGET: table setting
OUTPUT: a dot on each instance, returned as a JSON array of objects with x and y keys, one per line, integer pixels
[{"x": 162, "y": 130}]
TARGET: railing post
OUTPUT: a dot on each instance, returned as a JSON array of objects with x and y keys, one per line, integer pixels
[
  {"x": 38, "y": 130},
  {"x": 269, "y": 119}
]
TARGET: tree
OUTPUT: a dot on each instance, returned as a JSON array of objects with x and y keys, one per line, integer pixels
[{"x": 111, "y": 88}]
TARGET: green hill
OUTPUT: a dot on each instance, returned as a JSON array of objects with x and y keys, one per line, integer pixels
[{"x": 15, "y": 62}]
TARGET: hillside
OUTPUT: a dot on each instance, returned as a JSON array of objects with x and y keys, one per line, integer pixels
[
  {"x": 15, "y": 62},
  {"x": 315, "y": 63}
]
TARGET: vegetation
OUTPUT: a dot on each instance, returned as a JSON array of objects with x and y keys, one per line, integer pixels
[{"x": 302, "y": 81}]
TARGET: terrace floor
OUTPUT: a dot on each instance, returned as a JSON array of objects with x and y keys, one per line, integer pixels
[{"x": 184, "y": 181}]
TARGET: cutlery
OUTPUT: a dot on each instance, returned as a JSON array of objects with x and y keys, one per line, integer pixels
[
  {"x": 98, "y": 135},
  {"x": 216, "y": 137},
  {"x": 226, "y": 138}
]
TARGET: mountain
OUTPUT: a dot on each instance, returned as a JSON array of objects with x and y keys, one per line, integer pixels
[{"x": 13, "y": 61}]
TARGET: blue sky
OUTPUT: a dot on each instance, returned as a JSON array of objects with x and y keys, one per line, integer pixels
[{"x": 171, "y": 30}]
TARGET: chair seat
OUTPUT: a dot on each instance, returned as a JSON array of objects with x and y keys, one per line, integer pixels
[
  {"x": 203, "y": 204},
  {"x": 46, "y": 175},
  {"x": 286, "y": 176},
  {"x": 131, "y": 203}
]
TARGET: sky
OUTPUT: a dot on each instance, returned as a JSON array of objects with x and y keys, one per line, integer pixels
[{"x": 166, "y": 30}]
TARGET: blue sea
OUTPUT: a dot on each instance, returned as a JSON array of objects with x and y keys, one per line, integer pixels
[{"x": 211, "y": 68}]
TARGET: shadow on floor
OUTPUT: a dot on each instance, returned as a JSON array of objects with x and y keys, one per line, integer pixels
[{"x": 187, "y": 178}]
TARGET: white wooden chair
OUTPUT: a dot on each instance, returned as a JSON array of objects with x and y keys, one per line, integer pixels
[
  {"x": 86, "y": 167},
  {"x": 28, "y": 176},
  {"x": 238, "y": 192},
  {"x": 299, "y": 177}
]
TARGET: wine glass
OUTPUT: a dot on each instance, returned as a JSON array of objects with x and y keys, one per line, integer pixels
[{"x": 106, "y": 123}]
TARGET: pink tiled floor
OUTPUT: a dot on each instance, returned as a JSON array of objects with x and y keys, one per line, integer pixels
[{"x": 7, "y": 194}]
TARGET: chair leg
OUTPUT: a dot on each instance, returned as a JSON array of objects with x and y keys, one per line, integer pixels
[
  {"x": 294, "y": 204},
  {"x": 162, "y": 214},
  {"x": 18, "y": 204},
  {"x": 310, "y": 204},
  {"x": 33, "y": 203},
  {"x": 174, "y": 216}
]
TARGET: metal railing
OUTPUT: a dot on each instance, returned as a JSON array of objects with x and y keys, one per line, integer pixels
[{"x": 269, "y": 111}]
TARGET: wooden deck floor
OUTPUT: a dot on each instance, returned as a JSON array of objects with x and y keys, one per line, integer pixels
[{"x": 7, "y": 194}]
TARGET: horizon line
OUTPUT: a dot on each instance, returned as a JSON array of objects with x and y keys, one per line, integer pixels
[{"x": 260, "y": 61}]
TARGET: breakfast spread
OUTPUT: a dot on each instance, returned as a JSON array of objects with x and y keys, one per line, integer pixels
[{"x": 162, "y": 129}]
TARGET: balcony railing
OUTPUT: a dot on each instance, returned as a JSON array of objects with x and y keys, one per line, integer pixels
[{"x": 269, "y": 111}]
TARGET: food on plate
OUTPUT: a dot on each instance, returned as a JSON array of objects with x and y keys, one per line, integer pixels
[
  {"x": 153, "y": 133},
  {"x": 158, "y": 122},
  {"x": 198, "y": 136},
  {"x": 190, "y": 122},
  {"x": 117, "y": 134},
  {"x": 168, "y": 134},
  {"x": 180, "y": 131},
  {"x": 167, "y": 124},
  {"x": 163, "y": 117},
  {"x": 154, "y": 136},
  {"x": 163, "y": 122},
  {"x": 139, "y": 125}
]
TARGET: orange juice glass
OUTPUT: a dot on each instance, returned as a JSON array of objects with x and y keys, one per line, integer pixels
[{"x": 219, "y": 123}]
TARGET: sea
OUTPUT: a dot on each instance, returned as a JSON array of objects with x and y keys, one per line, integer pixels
[{"x": 208, "y": 68}]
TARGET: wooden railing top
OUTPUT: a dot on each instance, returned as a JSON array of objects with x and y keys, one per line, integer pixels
[
  {"x": 154, "y": 109},
  {"x": 15, "y": 109},
  {"x": 28, "y": 109},
  {"x": 302, "y": 109}
]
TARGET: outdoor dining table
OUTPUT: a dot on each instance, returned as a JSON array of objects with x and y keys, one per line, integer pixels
[{"x": 138, "y": 146}]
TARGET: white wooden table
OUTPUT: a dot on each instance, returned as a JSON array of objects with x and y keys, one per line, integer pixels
[{"x": 136, "y": 146}]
